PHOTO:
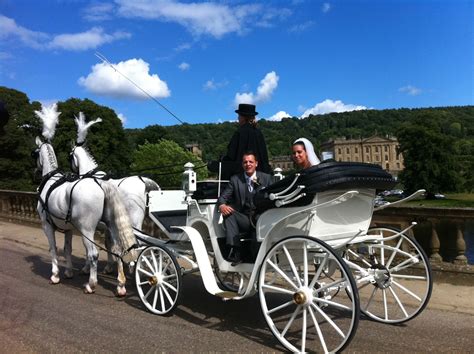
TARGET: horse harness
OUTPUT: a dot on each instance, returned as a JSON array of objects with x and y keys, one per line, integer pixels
[{"x": 68, "y": 177}]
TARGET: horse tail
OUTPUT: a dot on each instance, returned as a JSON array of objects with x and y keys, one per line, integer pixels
[
  {"x": 150, "y": 185},
  {"x": 117, "y": 217}
]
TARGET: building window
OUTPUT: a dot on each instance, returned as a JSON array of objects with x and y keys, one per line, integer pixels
[
  {"x": 386, "y": 148},
  {"x": 339, "y": 151},
  {"x": 387, "y": 166},
  {"x": 367, "y": 149},
  {"x": 376, "y": 149},
  {"x": 367, "y": 158},
  {"x": 347, "y": 151},
  {"x": 377, "y": 158},
  {"x": 386, "y": 157},
  {"x": 356, "y": 150},
  {"x": 398, "y": 165}
]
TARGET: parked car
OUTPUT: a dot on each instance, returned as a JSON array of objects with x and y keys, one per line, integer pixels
[
  {"x": 439, "y": 196},
  {"x": 379, "y": 201}
]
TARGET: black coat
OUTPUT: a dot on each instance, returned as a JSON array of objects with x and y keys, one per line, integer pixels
[{"x": 246, "y": 138}]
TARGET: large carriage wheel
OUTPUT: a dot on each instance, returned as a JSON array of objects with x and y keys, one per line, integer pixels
[
  {"x": 158, "y": 279},
  {"x": 306, "y": 296},
  {"x": 395, "y": 282}
]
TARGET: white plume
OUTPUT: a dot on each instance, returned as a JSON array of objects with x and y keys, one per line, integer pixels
[
  {"x": 83, "y": 127},
  {"x": 50, "y": 117}
]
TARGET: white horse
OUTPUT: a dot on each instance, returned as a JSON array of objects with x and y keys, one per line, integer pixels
[
  {"x": 78, "y": 205},
  {"x": 133, "y": 190}
]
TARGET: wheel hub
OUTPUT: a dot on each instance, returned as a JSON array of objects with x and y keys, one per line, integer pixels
[
  {"x": 382, "y": 278},
  {"x": 155, "y": 280},
  {"x": 302, "y": 297}
]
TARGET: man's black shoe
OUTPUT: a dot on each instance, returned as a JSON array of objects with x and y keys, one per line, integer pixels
[{"x": 235, "y": 256}]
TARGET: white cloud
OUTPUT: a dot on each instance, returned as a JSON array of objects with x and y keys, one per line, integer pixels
[
  {"x": 98, "y": 12},
  {"x": 182, "y": 47},
  {"x": 104, "y": 80},
  {"x": 10, "y": 30},
  {"x": 264, "y": 91},
  {"x": 122, "y": 118},
  {"x": 301, "y": 27},
  {"x": 279, "y": 116},
  {"x": 326, "y": 7},
  {"x": 214, "y": 85},
  {"x": 330, "y": 106},
  {"x": 204, "y": 18},
  {"x": 410, "y": 90},
  {"x": 91, "y": 39},
  {"x": 184, "y": 66}
]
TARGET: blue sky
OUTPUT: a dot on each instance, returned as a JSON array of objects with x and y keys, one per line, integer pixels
[{"x": 200, "y": 59}]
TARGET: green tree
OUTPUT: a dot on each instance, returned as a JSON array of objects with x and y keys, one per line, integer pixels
[
  {"x": 17, "y": 142},
  {"x": 107, "y": 140},
  {"x": 430, "y": 156},
  {"x": 168, "y": 155}
]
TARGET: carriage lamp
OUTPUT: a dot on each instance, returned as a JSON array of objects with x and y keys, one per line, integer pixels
[{"x": 189, "y": 180}]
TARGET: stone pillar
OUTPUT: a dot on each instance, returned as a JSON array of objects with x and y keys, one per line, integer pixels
[
  {"x": 460, "y": 244},
  {"x": 434, "y": 244}
]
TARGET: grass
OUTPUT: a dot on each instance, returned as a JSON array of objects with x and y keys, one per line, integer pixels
[{"x": 455, "y": 200}]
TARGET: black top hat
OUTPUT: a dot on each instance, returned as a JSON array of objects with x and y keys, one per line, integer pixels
[{"x": 247, "y": 110}]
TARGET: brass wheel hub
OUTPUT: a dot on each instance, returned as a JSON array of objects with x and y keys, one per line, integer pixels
[
  {"x": 153, "y": 281},
  {"x": 299, "y": 298}
]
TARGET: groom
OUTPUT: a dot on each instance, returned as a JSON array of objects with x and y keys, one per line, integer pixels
[{"x": 236, "y": 203}]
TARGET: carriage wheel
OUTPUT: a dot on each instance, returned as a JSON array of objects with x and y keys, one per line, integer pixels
[
  {"x": 301, "y": 288},
  {"x": 231, "y": 281},
  {"x": 394, "y": 280},
  {"x": 158, "y": 279}
]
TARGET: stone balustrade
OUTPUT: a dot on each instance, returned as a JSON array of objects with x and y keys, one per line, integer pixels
[{"x": 439, "y": 231}]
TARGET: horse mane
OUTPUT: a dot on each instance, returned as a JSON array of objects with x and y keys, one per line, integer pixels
[
  {"x": 51, "y": 156},
  {"x": 83, "y": 127},
  {"x": 49, "y": 116},
  {"x": 89, "y": 154}
]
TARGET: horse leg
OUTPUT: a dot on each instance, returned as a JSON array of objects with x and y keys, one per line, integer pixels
[
  {"x": 49, "y": 231},
  {"x": 67, "y": 254},
  {"x": 121, "y": 279},
  {"x": 109, "y": 268},
  {"x": 92, "y": 258}
]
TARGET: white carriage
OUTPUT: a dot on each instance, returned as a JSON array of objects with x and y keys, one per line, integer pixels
[{"x": 318, "y": 265}]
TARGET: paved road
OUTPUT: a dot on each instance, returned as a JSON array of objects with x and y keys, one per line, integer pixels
[{"x": 38, "y": 317}]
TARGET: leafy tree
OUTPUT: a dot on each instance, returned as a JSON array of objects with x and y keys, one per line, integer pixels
[
  {"x": 107, "y": 140},
  {"x": 17, "y": 141},
  {"x": 430, "y": 156},
  {"x": 164, "y": 161}
]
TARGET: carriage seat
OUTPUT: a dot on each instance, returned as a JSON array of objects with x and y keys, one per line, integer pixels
[
  {"x": 208, "y": 190},
  {"x": 326, "y": 176}
]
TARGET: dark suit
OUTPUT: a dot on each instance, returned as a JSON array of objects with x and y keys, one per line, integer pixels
[{"x": 236, "y": 195}]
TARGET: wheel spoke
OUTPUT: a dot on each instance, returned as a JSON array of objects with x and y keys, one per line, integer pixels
[
  {"x": 274, "y": 266},
  {"x": 358, "y": 256},
  {"x": 318, "y": 272},
  {"x": 280, "y": 290},
  {"x": 305, "y": 265},
  {"x": 153, "y": 269},
  {"x": 275, "y": 309},
  {"x": 292, "y": 265},
  {"x": 167, "y": 295},
  {"x": 395, "y": 251},
  {"x": 160, "y": 266},
  {"x": 406, "y": 276},
  {"x": 162, "y": 300},
  {"x": 290, "y": 322},
  {"x": 303, "y": 332},
  {"x": 370, "y": 298},
  {"x": 326, "y": 317},
  {"x": 155, "y": 297},
  {"x": 149, "y": 292},
  {"x": 404, "y": 264},
  {"x": 141, "y": 270},
  {"x": 330, "y": 285},
  {"x": 318, "y": 330},
  {"x": 398, "y": 302},
  {"x": 385, "y": 308},
  {"x": 332, "y": 303},
  {"x": 406, "y": 290},
  {"x": 170, "y": 286}
]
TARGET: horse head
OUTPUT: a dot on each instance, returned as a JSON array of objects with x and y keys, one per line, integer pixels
[{"x": 80, "y": 159}]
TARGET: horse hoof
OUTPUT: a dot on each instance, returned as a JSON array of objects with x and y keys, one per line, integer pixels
[
  {"x": 121, "y": 291},
  {"x": 88, "y": 289},
  {"x": 54, "y": 280}
]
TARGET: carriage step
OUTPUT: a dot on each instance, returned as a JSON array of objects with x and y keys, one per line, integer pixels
[{"x": 227, "y": 294}]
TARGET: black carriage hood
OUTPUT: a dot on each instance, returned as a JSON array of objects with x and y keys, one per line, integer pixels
[{"x": 326, "y": 176}]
